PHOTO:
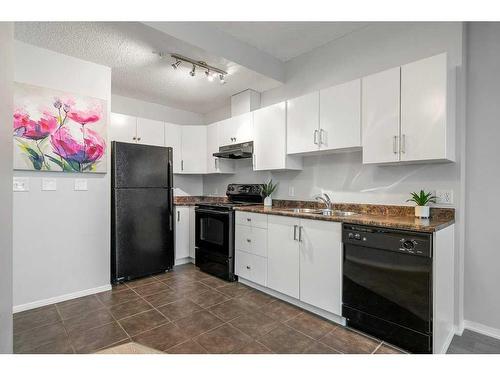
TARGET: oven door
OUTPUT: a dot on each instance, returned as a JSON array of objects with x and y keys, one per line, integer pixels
[
  {"x": 388, "y": 285},
  {"x": 215, "y": 232}
]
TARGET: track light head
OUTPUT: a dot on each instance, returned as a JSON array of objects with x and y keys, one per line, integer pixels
[
  {"x": 176, "y": 64},
  {"x": 209, "y": 75},
  {"x": 192, "y": 73}
]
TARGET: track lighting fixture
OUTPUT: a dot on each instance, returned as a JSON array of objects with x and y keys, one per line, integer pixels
[
  {"x": 176, "y": 64},
  {"x": 211, "y": 72}
]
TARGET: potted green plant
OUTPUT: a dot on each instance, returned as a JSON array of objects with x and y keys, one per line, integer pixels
[
  {"x": 267, "y": 190},
  {"x": 422, "y": 199}
]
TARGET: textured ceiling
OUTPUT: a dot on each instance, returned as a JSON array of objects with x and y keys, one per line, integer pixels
[
  {"x": 286, "y": 40},
  {"x": 127, "y": 48}
]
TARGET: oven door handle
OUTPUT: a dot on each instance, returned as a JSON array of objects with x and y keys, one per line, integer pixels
[{"x": 212, "y": 212}]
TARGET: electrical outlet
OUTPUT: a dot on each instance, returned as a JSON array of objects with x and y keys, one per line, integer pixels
[
  {"x": 81, "y": 184},
  {"x": 291, "y": 191},
  {"x": 49, "y": 184},
  {"x": 444, "y": 196},
  {"x": 21, "y": 184}
]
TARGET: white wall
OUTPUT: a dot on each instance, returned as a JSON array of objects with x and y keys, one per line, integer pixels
[
  {"x": 184, "y": 184},
  {"x": 61, "y": 238},
  {"x": 482, "y": 258},
  {"x": 153, "y": 111},
  {"x": 6, "y": 78}
]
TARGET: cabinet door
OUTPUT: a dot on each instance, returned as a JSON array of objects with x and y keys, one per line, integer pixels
[
  {"x": 192, "y": 232},
  {"x": 194, "y": 150},
  {"x": 236, "y": 129},
  {"x": 181, "y": 232},
  {"x": 321, "y": 264},
  {"x": 173, "y": 138},
  {"x": 216, "y": 165},
  {"x": 380, "y": 117},
  {"x": 150, "y": 132},
  {"x": 270, "y": 137},
  {"x": 283, "y": 255},
  {"x": 340, "y": 116},
  {"x": 303, "y": 124},
  {"x": 424, "y": 109},
  {"x": 123, "y": 128}
]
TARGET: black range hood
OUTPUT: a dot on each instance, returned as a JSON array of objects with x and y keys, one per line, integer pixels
[{"x": 236, "y": 151}]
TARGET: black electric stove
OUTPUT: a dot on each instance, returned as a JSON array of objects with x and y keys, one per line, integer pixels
[{"x": 215, "y": 229}]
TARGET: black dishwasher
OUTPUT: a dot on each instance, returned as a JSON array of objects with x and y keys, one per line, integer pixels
[{"x": 387, "y": 285}]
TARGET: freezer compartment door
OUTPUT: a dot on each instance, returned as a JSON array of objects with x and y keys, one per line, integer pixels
[{"x": 135, "y": 165}]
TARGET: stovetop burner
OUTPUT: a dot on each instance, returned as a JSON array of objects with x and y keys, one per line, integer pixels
[{"x": 238, "y": 195}]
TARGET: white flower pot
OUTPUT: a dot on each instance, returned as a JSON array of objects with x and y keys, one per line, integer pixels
[
  {"x": 268, "y": 202},
  {"x": 422, "y": 212}
]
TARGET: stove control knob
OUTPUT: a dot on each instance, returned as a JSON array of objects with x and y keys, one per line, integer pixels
[
  {"x": 408, "y": 245},
  {"x": 350, "y": 236},
  {"x": 357, "y": 236}
]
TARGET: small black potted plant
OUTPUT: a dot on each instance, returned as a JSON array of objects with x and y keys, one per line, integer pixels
[
  {"x": 267, "y": 190},
  {"x": 422, "y": 199}
]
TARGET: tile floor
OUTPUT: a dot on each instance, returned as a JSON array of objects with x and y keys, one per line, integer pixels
[{"x": 184, "y": 311}]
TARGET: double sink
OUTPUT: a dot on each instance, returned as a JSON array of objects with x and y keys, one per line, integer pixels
[{"x": 318, "y": 211}]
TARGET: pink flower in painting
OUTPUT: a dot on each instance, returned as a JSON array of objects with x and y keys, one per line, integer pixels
[
  {"x": 84, "y": 117},
  {"x": 25, "y": 127},
  {"x": 66, "y": 146}
]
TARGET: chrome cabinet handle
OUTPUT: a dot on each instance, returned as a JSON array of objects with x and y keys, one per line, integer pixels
[
  {"x": 178, "y": 216},
  {"x": 321, "y": 133},
  {"x": 300, "y": 234},
  {"x": 249, "y": 219},
  {"x": 403, "y": 143},
  {"x": 134, "y": 138},
  {"x": 394, "y": 144},
  {"x": 248, "y": 267},
  {"x": 182, "y": 165},
  {"x": 295, "y": 232},
  {"x": 249, "y": 240},
  {"x": 316, "y": 137},
  {"x": 139, "y": 138}
]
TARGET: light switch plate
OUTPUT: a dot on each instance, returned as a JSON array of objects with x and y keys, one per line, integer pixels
[
  {"x": 21, "y": 184},
  {"x": 49, "y": 184},
  {"x": 444, "y": 196},
  {"x": 81, "y": 184}
]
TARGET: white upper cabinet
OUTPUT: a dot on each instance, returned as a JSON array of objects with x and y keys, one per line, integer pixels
[
  {"x": 194, "y": 149},
  {"x": 123, "y": 128},
  {"x": 216, "y": 165},
  {"x": 408, "y": 113},
  {"x": 270, "y": 140},
  {"x": 321, "y": 264},
  {"x": 427, "y": 126},
  {"x": 150, "y": 132},
  {"x": 173, "y": 138},
  {"x": 303, "y": 124},
  {"x": 340, "y": 116},
  {"x": 380, "y": 117},
  {"x": 237, "y": 129}
]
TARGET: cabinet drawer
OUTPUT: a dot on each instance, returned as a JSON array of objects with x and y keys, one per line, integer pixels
[
  {"x": 251, "y": 219},
  {"x": 252, "y": 240},
  {"x": 251, "y": 267}
]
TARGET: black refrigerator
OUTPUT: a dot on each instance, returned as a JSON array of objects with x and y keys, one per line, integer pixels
[{"x": 142, "y": 215}]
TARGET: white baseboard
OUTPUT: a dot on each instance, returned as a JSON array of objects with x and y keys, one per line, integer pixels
[
  {"x": 64, "y": 297},
  {"x": 185, "y": 260},
  {"x": 483, "y": 329},
  {"x": 315, "y": 310},
  {"x": 449, "y": 339}
]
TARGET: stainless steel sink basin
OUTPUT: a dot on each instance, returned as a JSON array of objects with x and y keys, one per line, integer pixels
[{"x": 317, "y": 211}]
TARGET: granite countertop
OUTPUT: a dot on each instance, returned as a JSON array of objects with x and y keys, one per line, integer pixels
[
  {"x": 397, "y": 217},
  {"x": 192, "y": 200}
]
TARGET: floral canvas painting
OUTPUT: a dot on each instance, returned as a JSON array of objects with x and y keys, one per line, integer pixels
[{"x": 58, "y": 131}]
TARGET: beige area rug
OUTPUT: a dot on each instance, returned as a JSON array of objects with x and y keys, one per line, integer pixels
[{"x": 130, "y": 348}]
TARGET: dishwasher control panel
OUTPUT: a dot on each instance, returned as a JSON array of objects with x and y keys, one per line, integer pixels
[{"x": 411, "y": 243}]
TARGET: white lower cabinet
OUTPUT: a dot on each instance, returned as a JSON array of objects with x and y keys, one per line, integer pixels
[
  {"x": 283, "y": 255},
  {"x": 302, "y": 259},
  {"x": 182, "y": 232},
  {"x": 321, "y": 264}
]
